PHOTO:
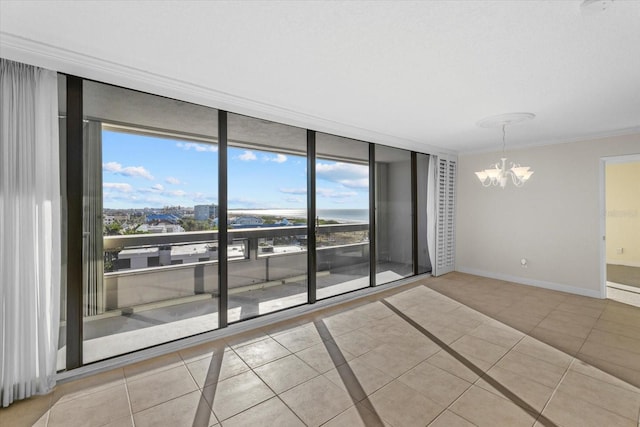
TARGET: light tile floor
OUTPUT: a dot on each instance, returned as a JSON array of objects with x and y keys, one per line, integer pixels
[{"x": 458, "y": 350}]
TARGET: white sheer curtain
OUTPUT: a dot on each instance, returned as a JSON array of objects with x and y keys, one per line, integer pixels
[
  {"x": 29, "y": 230},
  {"x": 431, "y": 211}
]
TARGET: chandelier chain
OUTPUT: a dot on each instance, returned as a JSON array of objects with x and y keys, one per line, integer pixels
[{"x": 504, "y": 141}]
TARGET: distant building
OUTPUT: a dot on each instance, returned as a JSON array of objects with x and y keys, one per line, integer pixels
[
  {"x": 108, "y": 219},
  {"x": 204, "y": 212},
  {"x": 246, "y": 221},
  {"x": 170, "y": 218}
]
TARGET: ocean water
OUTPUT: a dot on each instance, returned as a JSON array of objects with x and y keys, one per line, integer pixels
[{"x": 340, "y": 215}]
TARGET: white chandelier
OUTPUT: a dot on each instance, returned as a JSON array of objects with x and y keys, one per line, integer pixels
[{"x": 500, "y": 172}]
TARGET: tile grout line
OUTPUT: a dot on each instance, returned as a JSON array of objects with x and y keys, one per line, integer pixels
[
  {"x": 126, "y": 389},
  {"x": 553, "y": 393},
  {"x": 514, "y": 398}
]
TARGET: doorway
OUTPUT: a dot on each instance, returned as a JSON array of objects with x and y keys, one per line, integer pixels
[{"x": 622, "y": 229}]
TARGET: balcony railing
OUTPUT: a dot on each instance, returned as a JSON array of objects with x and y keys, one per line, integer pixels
[{"x": 259, "y": 257}]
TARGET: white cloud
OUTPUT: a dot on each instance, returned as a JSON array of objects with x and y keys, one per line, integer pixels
[
  {"x": 158, "y": 187},
  {"x": 333, "y": 194},
  {"x": 176, "y": 193},
  {"x": 203, "y": 198},
  {"x": 247, "y": 156},
  {"x": 294, "y": 199},
  {"x": 172, "y": 180},
  {"x": 279, "y": 158},
  {"x": 133, "y": 171},
  {"x": 348, "y": 174},
  {"x": 118, "y": 186},
  {"x": 112, "y": 167},
  {"x": 293, "y": 190},
  {"x": 197, "y": 147}
]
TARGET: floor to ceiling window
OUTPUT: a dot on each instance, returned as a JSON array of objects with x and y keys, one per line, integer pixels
[
  {"x": 267, "y": 219},
  {"x": 192, "y": 219},
  {"x": 393, "y": 201},
  {"x": 342, "y": 215},
  {"x": 150, "y": 270}
]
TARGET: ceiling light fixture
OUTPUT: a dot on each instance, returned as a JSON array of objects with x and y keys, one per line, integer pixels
[{"x": 498, "y": 174}]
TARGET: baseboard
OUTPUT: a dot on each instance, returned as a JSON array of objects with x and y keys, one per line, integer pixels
[
  {"x": 624, "y": 263},
  {"x": 533, "y": 282}
]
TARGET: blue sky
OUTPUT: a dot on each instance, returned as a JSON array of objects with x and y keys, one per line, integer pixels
[{"x": 144, "y": 171}]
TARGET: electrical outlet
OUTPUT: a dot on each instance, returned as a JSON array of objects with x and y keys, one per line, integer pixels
[
  {"x": 524, "y": 263},
  {"x": 619, "y": 251}
]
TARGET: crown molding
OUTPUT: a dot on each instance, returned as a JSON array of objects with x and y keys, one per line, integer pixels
[
  {"x": 586, "y": 137},
  {"x": 18, "y": 48}
]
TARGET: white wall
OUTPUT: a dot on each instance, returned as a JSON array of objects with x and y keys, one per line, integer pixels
[{"x": 553, "y": 221}]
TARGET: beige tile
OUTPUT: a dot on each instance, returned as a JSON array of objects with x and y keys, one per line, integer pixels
[
  {"x": 40, "y": 422},
  {"x": 375, "y": 310},
  {"x": 190, "y": 409},
  {"x": 344, "y": 322},
  {"x": 435, "y": 383},
  {"x": 152, "y": 366},
  {"x": 358, "y": 379},
  {"x": 317, "y": 401},
  {"x": 586, "y": 301},
  {"x": 443, "y": 333},
  {"x": 85, "y": 386},
  {"x": 580, "y": 309},
  {"x": 400, "y": 405},
  {"x": 319, "y": 357},
  {"x": 96, "y": 409},
  {"x": 160, "y": 387},
  {"x": 622, "y": 401},
  {"x": 469, "y": 371},
  {"x": 26, "y": 412},
  {"x": 121, "y": 422},
  {"x": 503, "y": 336},
  {"x": 357, "y": 416},
  {"x": 532, "y": 368},
  {"x": 236, "y": 394},
  {"x": 574, "y": 318},
  {"x": 271, "y": 412},
  {"x": 585, "y": 368},
  {"x": 540, "y": 350},
  {"x": 389, "y": 359},
  {"x": 449, "y": 419},
  {"x": 479, "y": 349},
  {"x": 567, "y": 343},
  {"x": 569, "y": 411},
  {"x": 618, "y": 328},
  {"x": 299, "y": 338},
  {"x": 261, "y": 352},
  {"x": 624, "y": 316},
  {"x": 484, "y": 408},
  {"x": 523, "y": 322},
  {"x": 630, "y": 376},
  {"x": 209, "y": 370},
  {"x": 614, "y": 340},
  {"x": 611, "y": 354},
  {"x": 285, "y": 373},
  {"x": 356, "y": 342},
  {"x": 564, "y": 327},
  {"x": 523, "y": 391}
]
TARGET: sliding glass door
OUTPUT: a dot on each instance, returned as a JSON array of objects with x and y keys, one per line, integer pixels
[
  {"x": 342, "y": 215},
  {"x": 150, "y": 271},
  {"x": 267, "y": 220}
]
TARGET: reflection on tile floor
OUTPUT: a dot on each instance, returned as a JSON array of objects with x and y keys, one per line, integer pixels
[{"x": 458, "y": 350}]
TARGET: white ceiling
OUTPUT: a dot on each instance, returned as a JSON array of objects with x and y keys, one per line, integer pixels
[{"x": 413, "y": 74}]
